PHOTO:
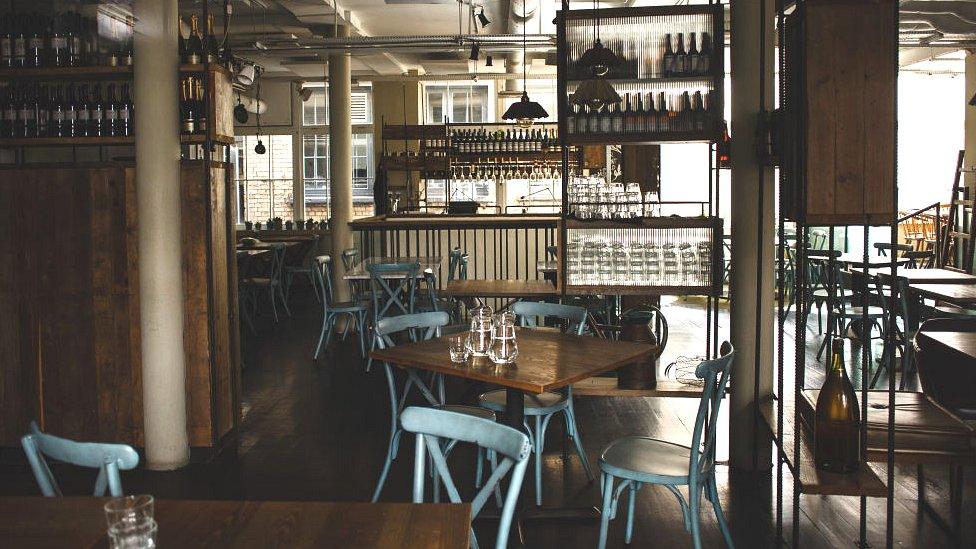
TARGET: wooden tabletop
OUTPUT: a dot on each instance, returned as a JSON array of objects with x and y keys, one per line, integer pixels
[
  {"x": 547, "y": 359},
  {"x": 261, "y": 246},
  {"x": 80, "y": 522},
  {"x": 359, "y": 271},
  {"x": 874, "y": 260},
  {"x": 926, "y": 276},
  {"x": 963, "y": 343},
  {"x": 500, "y": 288},
  {"x": 959, "y": 294}
]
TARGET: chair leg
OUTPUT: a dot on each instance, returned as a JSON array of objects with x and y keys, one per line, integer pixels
[
  {"x": 605, "y": 511},
  {"x": 284, "y": 302},
  {"x": 274, "y": 308},
  {"x": 361, "y": 329},
  {"x": 574, "y": 433},
  {"x": 325, "y": 327},
  {"x": 694, "y": 511},
  {"x": 479, "y": 467},
  {"x": 719, "y": 515},
  {"x": 634, "y": 486},
  {"x": 390, "y": 456},
  {"x": 537, "y": 450}
]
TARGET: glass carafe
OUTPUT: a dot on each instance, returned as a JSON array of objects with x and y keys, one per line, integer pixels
[
  {"x": 479, "y": 336},
  {"x": 503, "y": 348}
]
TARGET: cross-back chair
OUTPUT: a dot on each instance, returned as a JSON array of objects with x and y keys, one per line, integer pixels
[{"x": 332, "y": 310}]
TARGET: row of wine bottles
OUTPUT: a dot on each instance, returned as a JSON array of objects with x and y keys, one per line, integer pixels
[
  {"x": 671, "y": 113},
  {"x": 640, "y": 55},
  {"x": 75, "y": 110},
  {"x": 193, "y": 111},
  {"x": 197, "y": 47},
  {"x": 509, "y": 140},
  {"x": 64, "y": 40}
]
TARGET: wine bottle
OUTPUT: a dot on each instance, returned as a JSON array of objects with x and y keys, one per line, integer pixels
[
  {"x": 35, "y": 44},
  {"x": 70, "y": 112},
  {"x": 663, "y": 114},
  {"x": 126, "y": 57},
  {"x": 630, "y": 117},
  {"x": 194, "y": 48},
  {"x": 6, "y": 41},
  {"x": 617, "y": 119},
  {"x": 44, "y": 110},
  {"x": 187, "y": 106},
  {"x": 837, "y": 437},
  {"x": 73, "y": 38},
  {"x": 58, "y": 43},
  {"x": 592, "y": 121},
  {"x": 694, "y": 57},
  {"x": 181, "y": 40},
  {"x": 650, "y": 119},
  {"x": 698, "y": 111},
  {"x": 96, "y": 115},
  {"x": 606, "y": 124},
  {"x": 705, "y": 56},
  {"x": 680, "y": 57},
  {"x": 19, "y": 42},
  {"x": 212, "y": 54},
  {"x": 667, "y": 68},
  {"x": 111, "y": 112},
  {"x": 83, "y": 123},
  {"x": 7, "y": 113},
  {"x": 56, "y": 122},
  {"x": 200, "y": 106},
  {"x": 27, "y": 116},
  {"x": 639, "y": 116},
  {"x": 125, "y": 113}
]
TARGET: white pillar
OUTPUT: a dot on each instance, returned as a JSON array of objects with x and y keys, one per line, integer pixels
[
  {"x": 155, "y": 84},
  {"x": 340, "y": 162},
  {"x": 746, "y": 441}
]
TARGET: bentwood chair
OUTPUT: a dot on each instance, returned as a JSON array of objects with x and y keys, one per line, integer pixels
[
  {"x": 393, "y": 292},
  {"x": 416, "y": 327},
  {"x": 638, "y": 461},
  {"x": 542, "y": 408},
  {"x": 434, "y": 427},
  {"x": 109, "y": 459},
  {"x": 305, "y": 253},
  {"x": 845, "y": 307},
  {"x": 270, "y": 282},
  {"x": 332, "y": 310},
  {"x": 357, "y": 288}
]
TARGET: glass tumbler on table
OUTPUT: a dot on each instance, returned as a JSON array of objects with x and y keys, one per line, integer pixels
[
  {"x": 130, "y": 522},
  {"x": 459, "y": 348}
]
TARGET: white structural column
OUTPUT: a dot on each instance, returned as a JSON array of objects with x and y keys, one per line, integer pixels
[
  {"x": 160, "y": 259},
  {"x": 753, "y": 232},
  {"x": 340, "y": 162}
]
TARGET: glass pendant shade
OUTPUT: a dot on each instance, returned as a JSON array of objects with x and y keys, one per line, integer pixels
[
  {"x": 598, "y": 59},
  {"x": 524, "y": 111},
  {"x": 595, "y": 93}
]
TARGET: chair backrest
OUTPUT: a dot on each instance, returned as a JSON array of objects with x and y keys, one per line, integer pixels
[
  {"x": 432, "y": 426},
  {"x": 884, "y": 247},
  {"x": 715, "y": 376},
  {"x": 430, "y": 279},
  {"x": 109, "y": 459},
  {"x": 322, "y": 276},
  {"x": 655, "y": 320},
  {"x": 529, "y": 311},
  {"x": 350, "y": 256},
  {"x": 552, "y": 252},
  {"x": 278, "y": 250},
  {"x": 457, "y": 265},
  {"x": 430, "y": 323},
  {"x": 394, "y": 287}
]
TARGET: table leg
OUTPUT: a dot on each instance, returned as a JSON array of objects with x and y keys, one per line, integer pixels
[{"x": 515, "y": 409}]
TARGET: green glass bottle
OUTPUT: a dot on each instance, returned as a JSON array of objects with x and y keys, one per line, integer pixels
[{"x": 837, "y": 442}]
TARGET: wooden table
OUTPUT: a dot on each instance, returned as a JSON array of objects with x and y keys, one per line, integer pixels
[
  {"x": 963, "y": 295},
  {"x": 961, "y": 343},
  {"x": 80, "y": 522},
  {"x": 874, "y": 260},
  {"x": 547, "y": 360},
  {"x": 926, "y": 276},
  {"x": 500, "y": 288},
  {"x": 359, "y": 272}
]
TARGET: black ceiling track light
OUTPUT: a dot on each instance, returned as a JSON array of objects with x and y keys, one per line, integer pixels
[
  {"x": 483, "y": 19},
  {"x": 475, "y": 52}
]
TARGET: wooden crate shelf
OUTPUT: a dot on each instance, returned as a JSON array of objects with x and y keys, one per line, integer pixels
[{"x": 864, "y": 482}]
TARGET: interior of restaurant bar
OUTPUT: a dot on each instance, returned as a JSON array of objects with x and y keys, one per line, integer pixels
[{"x": 487, "y": 273}]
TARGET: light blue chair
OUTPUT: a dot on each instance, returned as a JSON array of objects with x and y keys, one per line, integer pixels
[
  {"x": 543, "y": 407},
  {"x": 393, "y": 290},
  {"x": 638, "y": 460},
  {"x": 331, "y": 310},
  {"x": 109, "y": 459},
  {"x": 433, "y": 427},
  {"x": 417, "y": 327}
]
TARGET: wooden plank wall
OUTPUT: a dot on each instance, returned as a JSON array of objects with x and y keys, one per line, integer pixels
[
  {"x": 850, "y": 111},
  {"x": 69, "y": 303}
]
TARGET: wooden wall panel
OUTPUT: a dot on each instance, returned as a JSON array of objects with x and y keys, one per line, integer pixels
[{"x": 223, "y": 358}]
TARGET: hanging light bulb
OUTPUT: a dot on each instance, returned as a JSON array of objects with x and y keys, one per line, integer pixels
[
  {"x": 524, "y": 112},
  {"x": 260, "y": 148}
]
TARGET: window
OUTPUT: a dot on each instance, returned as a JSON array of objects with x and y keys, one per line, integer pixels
[
  {"x": 315, "y": 111},
  {"x": 265, "y": 180},
  {"x": 458, "y": 103},
  {"x": 317, "y": 178},
  {"x": 542, "y": 92}
]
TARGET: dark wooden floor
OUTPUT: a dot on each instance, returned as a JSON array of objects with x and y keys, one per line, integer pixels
[{"x": 317, "y": 431}]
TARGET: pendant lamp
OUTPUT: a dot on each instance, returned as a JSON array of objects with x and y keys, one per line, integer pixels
[
  {"x": 524, "y": 111},
  {"x": 595, "y": 92}
]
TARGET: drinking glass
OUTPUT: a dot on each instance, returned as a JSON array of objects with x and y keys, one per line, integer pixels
[
  {"x": 130, "y": 522},
  {"x": 459, "y": 348},
  {"x": 504, "y": 349}
]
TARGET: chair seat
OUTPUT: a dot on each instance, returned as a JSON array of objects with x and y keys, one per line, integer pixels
[
  {"x": 856, "y": 312},
  {"x": 259, "y": 281},
  {"x": 475, "y": 411},
  {"x": 647, "y": 459},
  {"x": 535, "y": 405},
  {"x": 347, "y": 306},
  {"x": 952, "y": 311}
]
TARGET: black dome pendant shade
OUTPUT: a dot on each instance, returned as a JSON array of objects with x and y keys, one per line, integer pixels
[
  {"x": 525, "y": 111},
  {"x": 598, "y": 59}
]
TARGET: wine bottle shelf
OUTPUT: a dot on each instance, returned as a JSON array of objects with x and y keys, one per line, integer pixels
[
  {"x": 646, "y": 138},
  {"x": 64, "y": 73},
  {"x": 692, "y": 79},
  {"x": 864, "y": 482},
  {"x": 66, "y": 141}
]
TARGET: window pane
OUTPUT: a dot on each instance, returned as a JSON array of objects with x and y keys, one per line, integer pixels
[
  {"x": 266, "y": 179},
  {"x": 459, "y": 108},
  {"x": 315, "y": 111}
]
